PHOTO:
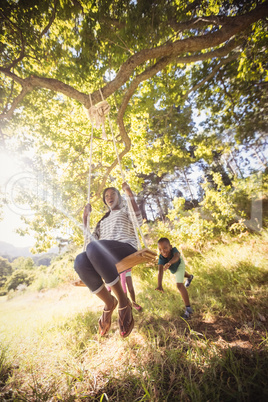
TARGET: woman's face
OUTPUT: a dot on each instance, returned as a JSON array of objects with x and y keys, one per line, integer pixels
[{"x": 111, "y": 198}]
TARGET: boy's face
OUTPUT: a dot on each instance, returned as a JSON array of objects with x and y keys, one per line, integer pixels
[{"x": 164, "y": 248}]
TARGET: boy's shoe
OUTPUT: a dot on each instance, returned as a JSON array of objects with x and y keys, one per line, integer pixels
[
  {"x": 188, "y": 281},
  {"x": 188, "y": 313}
]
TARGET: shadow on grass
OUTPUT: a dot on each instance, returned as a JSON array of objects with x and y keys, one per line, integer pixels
[
  {"x": 232, "y": 309},
  {"x": 180, "y": 364},
  {"x": 220, "y": 354},
  {"x": 240, "y": 293},
  {"x": 230, "y": 377}
]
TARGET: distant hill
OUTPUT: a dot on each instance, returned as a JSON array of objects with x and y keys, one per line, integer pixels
[
  {"x": 7, "y": 249},
  {"x": 11, "y": 252}
]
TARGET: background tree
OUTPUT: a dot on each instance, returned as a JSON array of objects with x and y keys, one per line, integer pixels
[
  {"x": 5, "y": 270},
  {"x": 5, "y": 267},
  {"x": 19, "y": 277},
  {"x": 23, "y": 263},
  {"x": 154, "y": 61}
]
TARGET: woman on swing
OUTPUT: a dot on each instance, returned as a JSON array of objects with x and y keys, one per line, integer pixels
[{"x": 116, "y": 240}]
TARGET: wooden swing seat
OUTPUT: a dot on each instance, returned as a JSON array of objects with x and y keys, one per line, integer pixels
[
  {"x": 144, "y": 255},
  {"x": 131, "y": 260}
]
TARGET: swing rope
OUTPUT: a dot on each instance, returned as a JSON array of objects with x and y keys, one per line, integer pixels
[
  {"x": 132, "y": 213},
  {"x": 87, "y": 232},
  {"x": 142, "y": 255},
  {"x": 97, "y": 115}
]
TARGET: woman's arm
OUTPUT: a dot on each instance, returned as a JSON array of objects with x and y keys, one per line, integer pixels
[
  {"x": 128, "y": 191},
  {"x": 87, "y": 210}
]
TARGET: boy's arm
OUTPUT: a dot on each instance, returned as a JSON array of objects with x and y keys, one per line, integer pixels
[
  {"x": 176, "y": 257},
  {"x": 160, "y": 278}
]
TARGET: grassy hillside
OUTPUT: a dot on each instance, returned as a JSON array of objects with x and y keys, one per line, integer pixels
[{"x": 51, "y": 350}]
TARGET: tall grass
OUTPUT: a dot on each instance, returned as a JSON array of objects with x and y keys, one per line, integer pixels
[{"x": 52, "y": 350}]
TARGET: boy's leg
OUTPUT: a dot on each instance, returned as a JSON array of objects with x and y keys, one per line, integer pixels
[
  {"x": 123, "y": 281},
  {"x": 183, "y": 291},
  {"x": 132, "y": 291},
  {"x": 184, "y": 294},
  {"x": 188, "y": 280},
  {"x": 130, "y": 286}
]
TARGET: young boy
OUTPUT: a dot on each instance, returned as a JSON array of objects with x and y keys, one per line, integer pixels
[{"x": 170, "y": 258}]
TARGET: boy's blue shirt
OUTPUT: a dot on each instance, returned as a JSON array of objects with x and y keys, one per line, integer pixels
[{"x": 173, "y": 267}]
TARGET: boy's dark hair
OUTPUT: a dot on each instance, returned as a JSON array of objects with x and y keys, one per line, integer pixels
[{"x": 163, "y": 239}]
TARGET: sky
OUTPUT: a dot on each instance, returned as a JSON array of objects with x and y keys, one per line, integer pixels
[{"x": 10, "y": 172}]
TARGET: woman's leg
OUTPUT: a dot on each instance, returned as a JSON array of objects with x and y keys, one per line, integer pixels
[
  {"x": 104, "y": 254},
  {"x": 87, "y": 273},
  {"x": 93, "y": 280},
  {"x": 99, "y": 262},
  {"x": 110, "y": 301},
  {"x": 110, "y": 304},
  {"x": 120, "y": 294}
]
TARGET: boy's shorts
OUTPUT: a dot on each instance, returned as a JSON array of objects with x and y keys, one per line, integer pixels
[{"x": 179, "y": 274}]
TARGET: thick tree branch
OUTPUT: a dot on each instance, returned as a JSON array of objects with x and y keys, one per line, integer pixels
[
  {"x": 164, "y": 54},
  {"x": 10, "y": 96},
  {"x": 189, "y": 45},
  {"x": 204, "y": 22},
  {"x": 218, "y": 53},
  {"x": 16, "y": 102},
  {"x": 200, "y": 23},
  {"x": 13, "y": 76}
]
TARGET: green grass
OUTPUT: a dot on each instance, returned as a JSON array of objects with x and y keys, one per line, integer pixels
[{"x": 51, "y": 350}]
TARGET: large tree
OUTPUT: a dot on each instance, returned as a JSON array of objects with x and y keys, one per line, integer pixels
[{"x": 147, "y": 57}]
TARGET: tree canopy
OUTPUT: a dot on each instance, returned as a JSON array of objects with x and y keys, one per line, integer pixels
[{"x": 156, "y": 62}]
